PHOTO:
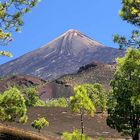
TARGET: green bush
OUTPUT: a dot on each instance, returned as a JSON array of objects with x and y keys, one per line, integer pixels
[
  {"x": 32, "y": 98},
  {"x": 100, "y": 138},
  {"x": 12, "y": 106},
  {"x": 75, "y": 135},
  {"x": 23, "y": 119},
  {"x": 60, "y": 102},
  {"x": 40, "y": 123},
  {"x": 97, "y": 94}
]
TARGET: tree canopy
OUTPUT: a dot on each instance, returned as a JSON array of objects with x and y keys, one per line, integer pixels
[
  {"x": 133, "y": 41},
  {"x": 97, "y": 94},
  {"x": 11, "y": 13},
  {"x": 32, "y": 97},
  {"x": 12, "y": 106},
  {"x": 131, "y": 11},
  {"x": 124, "y": 114},
  {"x": 81, "y": 103}
]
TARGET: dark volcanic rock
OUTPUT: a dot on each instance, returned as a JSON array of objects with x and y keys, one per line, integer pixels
[
  {"x": 64, "y": 55},
  {"x": 22, "y": 81},
  {"x": 83, "y": 68},
  {"x": 45, "y": 90}
]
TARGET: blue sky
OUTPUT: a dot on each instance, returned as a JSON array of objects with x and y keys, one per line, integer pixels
[{"x": 98, "y": 19}]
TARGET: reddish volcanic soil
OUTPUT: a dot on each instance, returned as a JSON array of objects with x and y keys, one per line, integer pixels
[{"x": 61, "y": 119}]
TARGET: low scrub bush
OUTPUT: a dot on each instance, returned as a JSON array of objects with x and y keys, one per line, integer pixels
[
  {"x": 60, "y": 102},
  {"x": 40, "y": 123},
  {"x": 32, "y": 98},
  {"x": 100, "y": 138},
  {"x": 12, "y": 106},
  {"x": 75, "y": 135}
]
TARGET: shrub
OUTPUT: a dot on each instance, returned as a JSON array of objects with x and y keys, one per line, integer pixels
[
  {"x": 60, "y": 102},
  {"x": 75, "y": 135},
  {"x": 97, "y": 94},
  {"x": 100, "y": 138},
  {"x": 12, "y": 105},
  {"x": 40, "y": 123},
  {"x": 23, "y": 119},
  {"x": 32, "y": 98}
]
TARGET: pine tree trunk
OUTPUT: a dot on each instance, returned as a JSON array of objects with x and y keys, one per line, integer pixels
[
  {"x": 82, "y": 124},
  {"x": 136, "y": 136}
]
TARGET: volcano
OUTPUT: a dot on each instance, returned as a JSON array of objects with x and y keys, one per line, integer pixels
[{"x": 64, "y": 55}]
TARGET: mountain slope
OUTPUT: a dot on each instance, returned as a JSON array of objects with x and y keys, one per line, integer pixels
[
  {"x": 63, "y": 87},
  {"x": 22, "y": 81},
  {"x": 93, "y": 73},
  {"x": 64, "y": 55}
]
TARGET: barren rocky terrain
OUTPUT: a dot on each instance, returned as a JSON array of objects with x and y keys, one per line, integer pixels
[
  {"x": 63, "y": 87},
  {"x": 61, "y": 119}
]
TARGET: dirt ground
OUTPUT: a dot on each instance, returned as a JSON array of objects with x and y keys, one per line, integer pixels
[{"x": 61, "y": 119}]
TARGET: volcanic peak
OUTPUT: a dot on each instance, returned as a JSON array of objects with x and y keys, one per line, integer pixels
[
  {"x": 64, "y": 55},
  {"x": 76, "y": 37},
  {"x": 72, "y": 31},
  {"x": 71, "y": 34}
]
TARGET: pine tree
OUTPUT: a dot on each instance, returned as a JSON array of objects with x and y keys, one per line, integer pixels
[{"x": 124, "y": 114}]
